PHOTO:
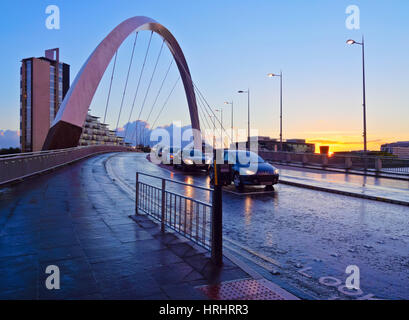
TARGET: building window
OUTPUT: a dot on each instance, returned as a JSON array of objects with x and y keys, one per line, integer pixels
[
  {"x": 28, "y": 105},
  {"x": 52, "y": 94},
  {"x": 60, "y": 76}
]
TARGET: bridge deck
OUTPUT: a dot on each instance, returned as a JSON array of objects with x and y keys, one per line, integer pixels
[{"x": 77, "y": 219}]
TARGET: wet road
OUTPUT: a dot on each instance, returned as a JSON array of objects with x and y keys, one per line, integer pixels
[
  {"x": 305, "y": 239},
  {"x": 378, "y": 187}
]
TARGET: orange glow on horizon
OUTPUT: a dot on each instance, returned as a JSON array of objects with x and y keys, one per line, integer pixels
[{"x": 346, "y": 145}]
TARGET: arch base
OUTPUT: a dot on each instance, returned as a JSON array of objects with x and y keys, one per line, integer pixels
[{"x": 63, "y": 135}]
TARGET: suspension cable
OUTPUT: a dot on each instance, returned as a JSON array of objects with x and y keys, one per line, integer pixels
[
  {"x": 126, "y": 82},
  {"x": 110, "y": 86},
  {"x": 139, "y": 82},
  {"x": 147, "y": 92},
  {"x": 166, "y": 102},
  {"x": 150, "y": 81},
  {"x": 156, "y": 99},
  {"x": 160, "y": 89},
  {"x": 203, "y": 112},
  {"x": 202, "y": 97},
  {"x": 210, "y": 126}
]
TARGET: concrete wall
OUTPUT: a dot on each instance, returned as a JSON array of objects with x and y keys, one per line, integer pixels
[
  {"x": 20, "y": 166},
  {"x": 41, "y": 102},
  {"x": 335, "y": 161}
]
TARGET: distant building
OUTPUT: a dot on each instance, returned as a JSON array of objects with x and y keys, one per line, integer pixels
[
  {"x": 96, "y": 133},
  {"x": 44, "y": 83},
  {"x": 289, "y": 145},
  {"x": 324, "y": 149},
  {"x": 399, "y": 149}
]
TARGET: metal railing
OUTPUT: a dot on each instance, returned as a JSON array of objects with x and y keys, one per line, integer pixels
[
  {"x": 346, "y": 162},
  {"x": 19, "y": 166},
  {"x": 187, "y": 216},
  {"x": 402, "y": 170}
]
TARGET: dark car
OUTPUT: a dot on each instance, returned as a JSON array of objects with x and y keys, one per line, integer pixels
[{"x": 248, "y": 168}]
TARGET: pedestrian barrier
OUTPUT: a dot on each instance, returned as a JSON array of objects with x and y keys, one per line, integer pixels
[
  {"x": 363, "y": 163},
  {"x": 19, "y": 166},
  {"x": 187, "y": 216}
]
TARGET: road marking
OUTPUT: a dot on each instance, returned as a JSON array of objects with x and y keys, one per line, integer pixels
[{"x": 257, "y": 254}]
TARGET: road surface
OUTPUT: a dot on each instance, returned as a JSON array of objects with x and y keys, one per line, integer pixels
[{"x": 305, "y": 239}]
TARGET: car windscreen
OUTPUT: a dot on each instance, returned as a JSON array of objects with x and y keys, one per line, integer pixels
[
  {"x": 244, "y": 158},
  {"x": 194, "y": 153}
]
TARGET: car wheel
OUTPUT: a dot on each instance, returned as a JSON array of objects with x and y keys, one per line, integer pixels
[
  {"x": 237, "y": 181},
  {"x": 269, "y": 188}
]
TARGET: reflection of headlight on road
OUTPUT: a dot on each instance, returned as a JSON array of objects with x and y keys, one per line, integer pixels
[
  {"x": 276, "y": 171},
  {"x": 188, "y": 161},
  {"x": 249, "y": 172}
]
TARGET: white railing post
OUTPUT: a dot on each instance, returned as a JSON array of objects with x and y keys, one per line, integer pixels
[
  {"x": 162, "y": 223},
  {"x": 137, "y": 194}
]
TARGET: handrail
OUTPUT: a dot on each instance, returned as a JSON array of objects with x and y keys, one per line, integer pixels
[
  {"x": 383, "y": 157},
  {"x": 175, "y": 181},
  {"x": 38, "y": 153},
  {"x": 17, "y": 156},
  {"x": 18, "y": 167}
]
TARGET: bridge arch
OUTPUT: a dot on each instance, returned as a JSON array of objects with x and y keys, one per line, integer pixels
[{"x": 66, "y": 129}]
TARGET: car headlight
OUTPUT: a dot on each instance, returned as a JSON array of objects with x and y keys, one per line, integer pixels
[
  {"x": 276, "y": 171},
  {"x": 249, "y": 172},
  {"x": 188, "y": 161}
]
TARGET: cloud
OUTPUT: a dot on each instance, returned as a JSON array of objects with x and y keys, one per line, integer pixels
[
  {"x": 9, "y": 139},
  {"x": 140, "y": 131}
]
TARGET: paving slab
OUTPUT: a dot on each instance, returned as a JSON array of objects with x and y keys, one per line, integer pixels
[{"x": 76, "y": 219}]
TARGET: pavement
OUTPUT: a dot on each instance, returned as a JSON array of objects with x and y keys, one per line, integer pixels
[
  {"x": 296, "y": 237},
  {"x": 374, "y": 188},
  {"x": 77, "y": 219}
]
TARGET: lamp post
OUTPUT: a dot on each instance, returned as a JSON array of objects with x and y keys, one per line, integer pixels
[
  {"x": 212, "y": 118},
  {"x": 272, "y": 75},
  {"x": 221, "y": 127},
  {"x": 232, "y": 130},
  {"x": 362, "y": 44},
  {"x": 248, "y": 115}
]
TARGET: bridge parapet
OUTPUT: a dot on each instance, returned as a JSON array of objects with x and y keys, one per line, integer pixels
[
  {"x": 19, "y": 166},
  {"x": 350, "y": 162}
]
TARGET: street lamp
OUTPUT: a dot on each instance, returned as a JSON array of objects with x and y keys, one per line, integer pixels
[
  {"x": 231, "y": 103},
  {"x": 362, "y": 44},
  {"x": 248, "y": 115},
  {"x": 272, "y": 75},
  {"x": 213, "y": 119},
  {"x": 221, "y": 126}
]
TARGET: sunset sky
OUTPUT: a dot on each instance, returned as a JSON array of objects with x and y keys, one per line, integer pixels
[{"x": 231, "y": 45}]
